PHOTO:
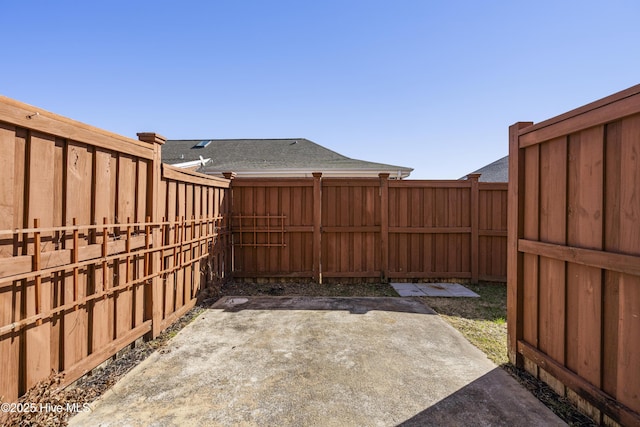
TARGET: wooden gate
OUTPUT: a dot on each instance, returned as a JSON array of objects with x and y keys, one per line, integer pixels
[{"x": 574, "y": 253}]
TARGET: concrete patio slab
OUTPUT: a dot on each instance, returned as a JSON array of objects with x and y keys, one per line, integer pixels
[
  {"x": 300, "y": 361},
  {"x": 433, "y": 290}
]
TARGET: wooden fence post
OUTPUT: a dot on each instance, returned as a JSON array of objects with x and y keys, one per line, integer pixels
[
  {"x": 384, "y": 225},
  {"x": 317, "y": 222},
  {"x": 153, "y": 296},
  {"x": 228, "y": 257},
  {"x": 475, "y": 219},
  {"x": 515, "y": 228}
]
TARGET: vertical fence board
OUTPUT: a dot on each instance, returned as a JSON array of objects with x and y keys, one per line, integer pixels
[
  {"x": 373, "y": 217},
  {"x": 498, "y": 218},
  {"x": 584, "y": 229},
  {"x": 293, "y": 216},
  {"x": 344, "y": 238},
  {"x": 181, "y": 214},
  {"x": 103, "y": 182},
  {"x": 402, "y": 211},
  {"x": 417, "y": 205},
  {"x": 440, "y": 216},
  {"x": 138, "y": 290},
  {"x": 188, "y": 255},
  {"x": 7, "y": 185},
  {"x": 40, "y": 200},
  {"x": 611, "y": 294},
  {"x": 57, "y": 279},
  {"x": 126, "y": 213},
  {"x": 20, "y": 220},
  {"x": 552, "y": 230},
  {"x": 197, "y": 232},
  {"x": 629, "y": 323},
  {"x": 453, "y": 219},
  {"x": 357, "y": 216},
  {"x": 429, "y": 221},
  {"x": 384, "y": 224},
  {"x": 10, "y": 345},
  {"x": 394, "y": 238},
  {"x": 531, "y": 213},
  {"x": 171, "y": 259},
  {"x": 275, "y": 256},
  {"x": 78, "y": 208}
]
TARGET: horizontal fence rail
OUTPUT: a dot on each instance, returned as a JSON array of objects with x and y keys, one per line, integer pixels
[{"x": 574, "y": 254}]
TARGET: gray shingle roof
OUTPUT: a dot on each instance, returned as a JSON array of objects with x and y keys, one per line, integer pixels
[
  {"x": 263, "y": 154},
  {"x": 497, "y": 171}
]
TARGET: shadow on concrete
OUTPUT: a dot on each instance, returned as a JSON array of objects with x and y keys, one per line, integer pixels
[
  {"x": 354, "y": 305},
  {"x": 494, "y": 399}
]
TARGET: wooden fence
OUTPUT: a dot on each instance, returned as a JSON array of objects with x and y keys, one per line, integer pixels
[
  {"x": 369, "y": 228},
  {"x": 100, "y": 244},
  {"x": 574, "y": 254}
]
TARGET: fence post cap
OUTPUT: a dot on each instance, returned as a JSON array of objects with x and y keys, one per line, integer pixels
[
  {"x": 229, "y": 175},
  {"x": 151, "y": 137}
]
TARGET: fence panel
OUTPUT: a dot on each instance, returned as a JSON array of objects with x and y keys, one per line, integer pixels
[
  {"x": 195, "y": 238},
  {"x": 430, "y": 229},
  {"x": 273, "y": 228},
  {"x": 81, "y": 243},
  {"x": 369, "y": 228},
  {"x": 351, "y": 227},
  {"x": 574, "y": 253},
  {"x": 492, "y": 233},
  {"x": 60, "y": 179}
]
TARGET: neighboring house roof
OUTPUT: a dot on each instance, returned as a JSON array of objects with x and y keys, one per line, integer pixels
[
  {"x": 293, "y": 157},
  {"x": 497, "y": 171}
]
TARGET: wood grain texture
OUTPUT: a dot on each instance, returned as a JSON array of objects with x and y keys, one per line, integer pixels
[
  {"x": 79, "y": 169},
  {"x": 584, "y": 229},
  {"x": 73, "y": 292},
  {"x": 611, "y": 290},
  {"x": 17, "y": 113},
  {"x": 104, "y": 179},
  {"x": 553, "y": 212},
  {"x": 126, "y": 199},
  {"x": 429, "y": 228},
  {"x": 580, "y": 246},
  {"x": 609, "y": 109},
  {"x": 629, "y": 243},
  {"x": 531, "y": 218},
  {"x": 10, "y": 345},
  {"x": 40, "y": 172}
]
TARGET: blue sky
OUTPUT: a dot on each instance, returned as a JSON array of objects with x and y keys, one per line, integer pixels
[{"x": 431, "y": 85}]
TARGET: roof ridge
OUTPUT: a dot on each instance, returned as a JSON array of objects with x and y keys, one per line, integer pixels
[{"x": 241, "y": 139}]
